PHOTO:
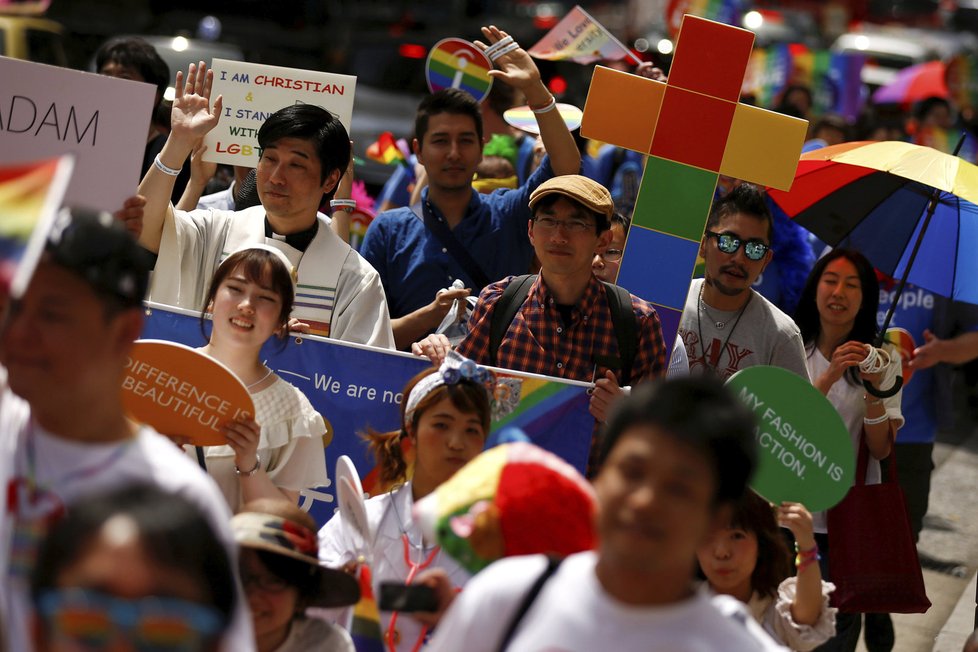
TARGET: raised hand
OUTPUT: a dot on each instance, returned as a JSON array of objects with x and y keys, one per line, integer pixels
[
  {"x": 516, "y": 68},
  {"x": 192, "y": 115}
]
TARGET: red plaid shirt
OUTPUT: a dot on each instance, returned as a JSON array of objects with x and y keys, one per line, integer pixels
[{"x": 538, "y": 341}]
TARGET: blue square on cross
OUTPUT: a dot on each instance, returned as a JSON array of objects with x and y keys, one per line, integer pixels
[{"x": 657, "y": 266}]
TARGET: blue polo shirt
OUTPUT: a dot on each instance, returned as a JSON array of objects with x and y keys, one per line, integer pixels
[{"x": 413, "y": 265}]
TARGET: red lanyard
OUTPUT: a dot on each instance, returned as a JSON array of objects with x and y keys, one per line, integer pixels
[{"x": 414, "y": 568}]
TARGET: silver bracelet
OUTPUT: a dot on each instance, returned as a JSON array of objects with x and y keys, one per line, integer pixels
[
  {"x": 162, "y": 167},
  {"x": 875, "y": 420},
  {"x": 252, "y": 472}
]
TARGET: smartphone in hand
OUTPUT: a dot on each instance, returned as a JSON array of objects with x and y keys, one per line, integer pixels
[{"x": 407, "y": 597}]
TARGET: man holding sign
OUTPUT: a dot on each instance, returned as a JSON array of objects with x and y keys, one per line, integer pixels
[
  {"x": 304, "y": 151},
  {"x": 63, "y": 433}
]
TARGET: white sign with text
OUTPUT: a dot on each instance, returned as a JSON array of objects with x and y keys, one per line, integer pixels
[
  {"x": 252, "y": 92},
  {"x": 46, "y": 111}
]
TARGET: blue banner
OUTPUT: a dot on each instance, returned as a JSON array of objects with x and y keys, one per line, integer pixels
[{"x": 355, "y": 387}]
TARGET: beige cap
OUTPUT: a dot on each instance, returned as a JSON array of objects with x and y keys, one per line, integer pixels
[{"x": 574, "y": 186}]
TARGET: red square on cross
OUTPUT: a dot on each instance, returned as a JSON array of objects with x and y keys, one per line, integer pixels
[
  {"x": 692, "y": 129},
  {"x": 711, "y": 58}
]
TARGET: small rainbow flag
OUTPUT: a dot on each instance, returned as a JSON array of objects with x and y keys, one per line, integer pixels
[
  {"x": 30, "y": 196},
  {"x": 961, "y": 76},
  {"x": 387, "y": 150},
  {"x": 727, "y": 12},
  {"x": 365, "y": 628},
  {"x": 456, "y": 63},
  {"x": 582, "y": 39}
]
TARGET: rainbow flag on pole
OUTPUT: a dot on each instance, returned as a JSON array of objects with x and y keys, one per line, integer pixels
[
  {"x": 582, "y": 39},
  {"x": 30, "y": 196}
]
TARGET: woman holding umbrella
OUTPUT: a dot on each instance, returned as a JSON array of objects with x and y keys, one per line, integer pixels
[{"x": 837, "y": 317}]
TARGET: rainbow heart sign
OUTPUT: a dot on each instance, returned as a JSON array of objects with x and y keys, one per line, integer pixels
[{"x": 457, "y": 63}]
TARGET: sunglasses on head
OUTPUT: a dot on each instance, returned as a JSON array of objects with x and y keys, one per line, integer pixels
[
  {"x": 729, "y": 244},
  {"x": 92, "y": 620}
]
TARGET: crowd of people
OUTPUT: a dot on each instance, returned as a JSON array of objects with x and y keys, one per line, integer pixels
[{"x": 114, "y": 537}]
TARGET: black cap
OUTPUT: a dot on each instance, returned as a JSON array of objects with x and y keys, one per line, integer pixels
[{"x": 99, "y": 249}]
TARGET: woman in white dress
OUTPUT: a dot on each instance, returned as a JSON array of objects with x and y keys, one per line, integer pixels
[
  {"x": 280, "y": 451},
  {"x": 445, "y": 420}
]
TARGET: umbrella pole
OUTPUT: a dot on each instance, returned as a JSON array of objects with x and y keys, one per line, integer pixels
[{"x": 931, "y": 207}]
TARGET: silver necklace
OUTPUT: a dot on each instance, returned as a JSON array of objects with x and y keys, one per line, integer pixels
[
  {"x": 259, "y": 381},
  {"x": 716, "y": 322}
]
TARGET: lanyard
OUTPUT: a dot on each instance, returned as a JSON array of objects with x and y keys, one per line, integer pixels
[{"x": 413, "y": 568}]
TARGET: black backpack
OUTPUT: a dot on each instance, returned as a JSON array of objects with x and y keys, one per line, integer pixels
[{"x": 622, "y": 316}]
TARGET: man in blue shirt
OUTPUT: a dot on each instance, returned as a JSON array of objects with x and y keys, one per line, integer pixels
[{"x": 490, "y": 230}]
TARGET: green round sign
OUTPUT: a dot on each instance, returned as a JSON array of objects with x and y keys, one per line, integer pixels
[{"x": 804, "y": 450}]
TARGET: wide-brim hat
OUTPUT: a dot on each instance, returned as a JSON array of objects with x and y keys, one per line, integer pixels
[
  {"x": 585, "y": 191},
  {"x": 284, "y": 537}
]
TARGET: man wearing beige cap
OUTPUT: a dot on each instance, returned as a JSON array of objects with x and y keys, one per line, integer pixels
[{"x": 565, "y": 324}]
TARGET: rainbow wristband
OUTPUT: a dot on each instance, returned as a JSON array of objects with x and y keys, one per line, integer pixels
[{"x": 805, "y": 558}]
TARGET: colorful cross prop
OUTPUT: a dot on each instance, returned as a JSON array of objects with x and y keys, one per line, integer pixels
[{"x": 694, "y": 130}]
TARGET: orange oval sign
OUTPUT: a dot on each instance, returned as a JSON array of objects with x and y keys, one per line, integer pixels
[{"x": 182, "y": 392}]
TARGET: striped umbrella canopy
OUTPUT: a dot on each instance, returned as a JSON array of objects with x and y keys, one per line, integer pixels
[
  {"x": 874, "y": 196},
  {"x": 914, "y": 83}
]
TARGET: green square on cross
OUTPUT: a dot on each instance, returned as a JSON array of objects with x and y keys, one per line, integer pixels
[{"x": 674, "y": 198}]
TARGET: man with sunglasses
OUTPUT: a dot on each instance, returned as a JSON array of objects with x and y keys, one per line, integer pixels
[{"x": 726, "y": 325}]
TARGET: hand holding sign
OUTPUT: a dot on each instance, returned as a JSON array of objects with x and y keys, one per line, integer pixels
[
  {"x": 184, "y": 393},
  {"x": 805, "y": 453}
]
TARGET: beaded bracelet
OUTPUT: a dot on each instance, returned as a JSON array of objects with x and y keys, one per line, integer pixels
[{"x": 805, "y": 558}]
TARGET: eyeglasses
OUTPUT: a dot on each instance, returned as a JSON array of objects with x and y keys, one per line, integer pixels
[
  {"x": 549, "y": 224},
  {"x": 611, "y": 255},
  {"x": 729, "y": 244},
  {"x": 266, "y": 583},
  {"x": 92, "y": 620}
]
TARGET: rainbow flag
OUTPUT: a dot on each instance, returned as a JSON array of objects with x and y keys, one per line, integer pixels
[
  {"x": 365, "y": 628},
  {"x": 582, "y": 39},
  {"x": 30, "y": 196},
  {"x": 387, "y": 150},
  {"x": 962, "y": 81},
  {"x": 945, "y": 141},
  {"x": 456, "y": 63},
  {"x": 727, "y": 12}
]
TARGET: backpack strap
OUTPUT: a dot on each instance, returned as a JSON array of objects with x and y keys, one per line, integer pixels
[
  {"x": 626, "y": 327},
  {"x": 505, "y": 310},
  {"x": 553, "y": 563}
]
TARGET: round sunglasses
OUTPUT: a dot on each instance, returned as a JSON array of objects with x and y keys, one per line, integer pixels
[{"x": 729, "y": 244}]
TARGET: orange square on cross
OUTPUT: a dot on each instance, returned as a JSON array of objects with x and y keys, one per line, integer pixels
[
  {"x": 692, "y": 129},
  {"x": 622, "y": 109},
  {"x": 711, "y": 58}
]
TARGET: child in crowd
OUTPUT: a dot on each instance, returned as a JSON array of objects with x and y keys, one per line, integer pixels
[
  {"x": 134, "y": 568},
  {"x": 280, "y": 451},
  {"x": 748, "y": 559},
  {"x": 444, "y": 423}
]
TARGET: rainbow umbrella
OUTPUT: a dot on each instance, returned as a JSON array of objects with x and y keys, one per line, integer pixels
[
  {"x": 913, "y": 84},
  {"x": 893, "y": 201}
]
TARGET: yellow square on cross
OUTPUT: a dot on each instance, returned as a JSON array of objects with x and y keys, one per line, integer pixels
[
  {"x": 763, "y": 147},
  {"x": 622, "y": 109}
]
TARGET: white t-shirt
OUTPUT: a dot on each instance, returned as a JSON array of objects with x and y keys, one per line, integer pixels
[
  {"x": 387, "y": 515},
  {"x": 290, "y": 446},
  {"x": 147, "y": 458},
  {"x": 763, "y": 336},
  {"x": 848, "y": 402},
  {"x": 314, "y": 635},
  {"x": 573, "y": 613},
  {"x": 336, "y": 285}
]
